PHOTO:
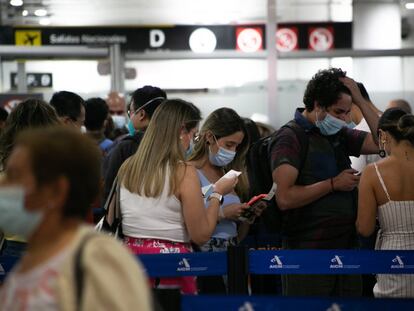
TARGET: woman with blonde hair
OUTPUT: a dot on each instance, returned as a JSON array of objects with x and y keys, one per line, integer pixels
[
  {"x": 222, "y": 146},
  {"x": 386, "y": 191},
  {"x": 161, "y": 201}
]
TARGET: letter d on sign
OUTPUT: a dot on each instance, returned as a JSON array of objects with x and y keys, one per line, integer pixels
[{"x": 157, "y": 38}]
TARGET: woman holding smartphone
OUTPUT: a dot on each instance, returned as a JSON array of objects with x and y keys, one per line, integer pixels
[
  {"x": 161, "y": 203},
  {"x": 220, "y": 147}
]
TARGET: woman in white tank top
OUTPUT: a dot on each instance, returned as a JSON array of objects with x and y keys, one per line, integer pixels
[
  {"x": 162, "y": 205},
  {"x": 386, "y": 191}
]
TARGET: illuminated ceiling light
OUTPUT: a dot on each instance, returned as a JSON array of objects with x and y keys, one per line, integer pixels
[
  {"x": 40, "y": 12},
  {"x": 16, "y": 2},
  {"x": 409, "y": 6},
  {"x": 44, "y": 21},
  {"x": 25, "y": 12},
  {"x": 203, "y": 40}
]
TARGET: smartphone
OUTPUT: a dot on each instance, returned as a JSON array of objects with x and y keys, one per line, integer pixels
[
  {"x": 255, "y": 203},
  {"x": 256, "y": 198}
]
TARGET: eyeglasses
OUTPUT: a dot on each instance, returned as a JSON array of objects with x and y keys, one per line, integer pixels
[{"x": 116, "y": 112}]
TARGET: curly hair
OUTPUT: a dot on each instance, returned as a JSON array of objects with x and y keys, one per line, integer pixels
[{"x": 325, "y": 88}]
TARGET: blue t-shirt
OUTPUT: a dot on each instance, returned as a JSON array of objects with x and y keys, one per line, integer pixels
[{"x": 226, "y": 228}]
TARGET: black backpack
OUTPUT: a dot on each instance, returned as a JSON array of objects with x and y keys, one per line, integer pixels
[{"x": 260, "y": 172}]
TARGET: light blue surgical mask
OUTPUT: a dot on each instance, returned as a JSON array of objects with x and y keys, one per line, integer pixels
[
  {"x": 223, "y": 156},
  {"x": 330, "y": 125},
  {"x": 351, "y": 125},
  {"x": 14, "y": 218},
  {"x": 119, "y": 121},
  {"x": 190, "y": 149},
  {"x": 131, "y": 128}
]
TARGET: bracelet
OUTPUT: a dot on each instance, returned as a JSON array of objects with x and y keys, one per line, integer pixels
[{"x": 332, "y": 185}]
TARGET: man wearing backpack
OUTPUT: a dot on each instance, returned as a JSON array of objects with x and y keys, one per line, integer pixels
[{"x": 317, "y": 192}]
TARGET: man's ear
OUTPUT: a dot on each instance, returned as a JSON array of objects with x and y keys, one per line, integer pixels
[
  {"x": 316, "y": 106},
  {"x": 141, "y": 115}
]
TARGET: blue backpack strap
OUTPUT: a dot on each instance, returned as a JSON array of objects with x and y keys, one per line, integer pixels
[{"x": 105, "y": 144}]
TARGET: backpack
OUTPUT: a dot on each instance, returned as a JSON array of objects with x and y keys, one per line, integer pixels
[{"x": 260, "y": 173}]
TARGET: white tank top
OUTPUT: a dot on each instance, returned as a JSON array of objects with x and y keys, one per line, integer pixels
[{"x": 154, "y": 218}]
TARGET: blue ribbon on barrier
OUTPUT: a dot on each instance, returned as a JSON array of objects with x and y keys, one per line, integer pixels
[
  {"x": 270, "y": 262},
  {"x": 331, "y": 262},
  {"x": 6, "y": 264},
  {"x": 255, "y": 303},
  {"x": 163, "y": 265}
]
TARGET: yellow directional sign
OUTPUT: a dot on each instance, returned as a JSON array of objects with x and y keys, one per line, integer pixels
[{"x": 28, "y": 37}]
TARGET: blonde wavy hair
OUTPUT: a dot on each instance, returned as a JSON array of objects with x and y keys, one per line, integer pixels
[{"x": 160, "y": 152}]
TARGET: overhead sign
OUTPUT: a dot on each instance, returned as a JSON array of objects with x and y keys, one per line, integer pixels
[
  {"x": 321, "y": 38},
  {"x": 287, "y": 39},
  {"x": 33, "y": 80},
  {"x": 9, "y": 101},
  {"x": 249, "y": 39},
  {"x": 28, "y": 37},
  {"x": 243, "y": 38}
]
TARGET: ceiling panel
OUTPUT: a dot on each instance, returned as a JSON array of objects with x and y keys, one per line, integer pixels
[{"x": 156, "y": 12}]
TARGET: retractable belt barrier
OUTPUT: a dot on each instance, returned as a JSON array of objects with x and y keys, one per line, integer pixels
[
  {"x": 331, "y": 262},
  {"x": 167, "y": 265},
  {"x": 257, "y": 303},
  {"x": 270, "y": 262}
]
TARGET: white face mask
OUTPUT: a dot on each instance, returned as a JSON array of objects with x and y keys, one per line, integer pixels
[
  {"x": 14, "y": 218},
  {"x": 119, "y": 121}
]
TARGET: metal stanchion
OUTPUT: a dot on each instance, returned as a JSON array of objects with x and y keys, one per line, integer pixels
[{"x": 238, "y": 269}]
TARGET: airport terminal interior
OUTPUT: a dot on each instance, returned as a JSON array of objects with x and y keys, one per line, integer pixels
[{"x": 262, "y": 59}]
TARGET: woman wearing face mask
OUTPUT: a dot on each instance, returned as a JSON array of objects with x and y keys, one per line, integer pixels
[
  {"x": 386, "y": 191},
  {"x": 222, "y": 146},
  {"x": 161, "y": 202},
  {"x": 51, "y": 178}
]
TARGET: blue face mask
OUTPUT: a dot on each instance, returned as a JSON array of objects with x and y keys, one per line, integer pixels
[
  {"x": 190, "y": 149},
  {"x": 351, "y": 125},
  {"x": 222, "y": 158},
  {"x": 15, "y": 219},
  {"x": 330, "y": 125},
  {"x": 131, "y": 128}
]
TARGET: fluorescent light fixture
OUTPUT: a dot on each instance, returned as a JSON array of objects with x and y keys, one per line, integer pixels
[
  {"x": 409, "y": 6},
  {"x": 25, "y": 12},
  {"x": 44, "y": 21},
  {"x": 16, "y": 2},
  {"x": 40, "y": 12}
]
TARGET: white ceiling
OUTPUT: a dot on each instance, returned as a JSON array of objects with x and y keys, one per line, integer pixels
[{"x": 156, "y": 12}]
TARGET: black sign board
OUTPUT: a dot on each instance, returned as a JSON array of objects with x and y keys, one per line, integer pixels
[
  {"x": 9, "y": 101},
  {"x": 173, "y": 38},
  {"x": 33, "y": 80}
]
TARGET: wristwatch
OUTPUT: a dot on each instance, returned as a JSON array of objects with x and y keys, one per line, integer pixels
[{"x": 216, "y": 195}]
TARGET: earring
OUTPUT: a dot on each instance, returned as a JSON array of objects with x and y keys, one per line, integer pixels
[{"x": 382, "y": 152}]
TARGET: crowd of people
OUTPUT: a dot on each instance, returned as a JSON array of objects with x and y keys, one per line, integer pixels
[{"x": 183, "y": 186}]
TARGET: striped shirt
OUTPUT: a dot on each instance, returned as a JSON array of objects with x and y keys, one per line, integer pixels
[{"x": 396, "y": 220}]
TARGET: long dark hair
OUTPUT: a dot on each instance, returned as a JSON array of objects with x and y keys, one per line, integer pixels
[{"x": 224, "y": 122}]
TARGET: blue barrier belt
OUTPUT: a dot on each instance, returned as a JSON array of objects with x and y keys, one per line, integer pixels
[
  {"x": 162, "y": 265},
  {"x": 331, "y": 262},
  {"x": 257, "y": 303},
  {"x": 271, "y": 262}
]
